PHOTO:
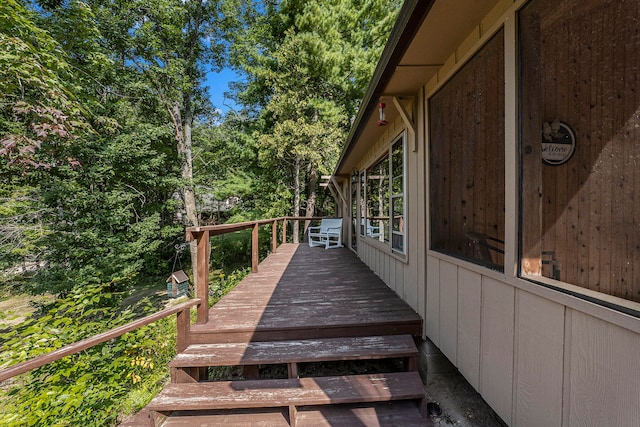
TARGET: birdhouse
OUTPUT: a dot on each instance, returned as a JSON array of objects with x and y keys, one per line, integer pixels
[{"x": 177, "y": 284}]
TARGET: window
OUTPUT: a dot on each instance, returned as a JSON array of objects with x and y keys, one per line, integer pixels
[
  {"x": 397, "y": 195},
  {"x": 354, "y": 211},
  {"x": 385, "y": 201},
  {"x": 361, "y": 203},
  {"x": 580, "y": 220},
  {"x": 466, "y": 155},
  {"x": 378, "y": 200}
]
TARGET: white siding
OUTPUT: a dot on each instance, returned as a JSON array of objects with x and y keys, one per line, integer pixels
[
  {"x": 469, "y": 321},
  {"x": 536, "y": 361},
  {"x": 449, "y": 310},
  {"x": 496, "y": 357},
  {"x": 433, "y": 300},
  {"x": 539, "y": 355},
  {"x": 604, "y": 373}
]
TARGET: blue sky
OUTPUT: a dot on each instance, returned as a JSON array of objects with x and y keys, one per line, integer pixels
[{"x": 218, "y": 84}]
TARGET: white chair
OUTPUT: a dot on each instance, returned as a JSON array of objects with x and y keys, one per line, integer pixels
[
  {"x": 373, "y": 231},
  {"x": 327, "y": 234}
]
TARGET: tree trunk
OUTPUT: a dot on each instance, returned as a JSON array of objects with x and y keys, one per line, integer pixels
[
  {"x": 183, "y": 142},
  {"x": 296, "y": 201},
  {"x": 311, "y": 201}
]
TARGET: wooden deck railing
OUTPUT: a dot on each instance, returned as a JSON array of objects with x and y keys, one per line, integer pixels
[
  {"x": 202, "y": 236},
  {"x": 182, "y": 310}
]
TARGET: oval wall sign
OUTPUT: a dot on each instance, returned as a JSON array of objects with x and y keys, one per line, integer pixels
[{"x": 558, "y": 143}]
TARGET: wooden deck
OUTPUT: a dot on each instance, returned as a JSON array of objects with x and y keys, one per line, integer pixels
[
  {"x": 304, "y": 305},
  {"x": 302, "y": 292}
]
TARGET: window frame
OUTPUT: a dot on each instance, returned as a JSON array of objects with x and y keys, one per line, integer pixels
[
  {"x": 388, "y": 240},
  {"x": 394, "y": 196},
  {"x": 362, "y": 201},
  {"x": 354, "y": 192}
]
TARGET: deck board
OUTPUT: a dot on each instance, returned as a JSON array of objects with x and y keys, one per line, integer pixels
[
  {"x": 298, "y": 351},
  {"x": 305, "y": 289},
  {"x": 286, "y": 392}
]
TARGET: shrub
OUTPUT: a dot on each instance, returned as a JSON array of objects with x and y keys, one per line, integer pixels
[
  {"x": 91, "y": 387},
  {"x": 100, "y": 385}
]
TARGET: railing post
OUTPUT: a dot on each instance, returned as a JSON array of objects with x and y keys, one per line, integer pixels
[
  {"x": 284, "y": 230},
  {"x": 274, "y": 236},
  {"x": 254, "y": 249},
  {"x": 202, "y": 290},
  {"x": 183, "y": 324}
]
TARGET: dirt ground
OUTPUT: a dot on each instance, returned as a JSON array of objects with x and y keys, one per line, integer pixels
[
  {"x": 461, "y": 405},
  {"x": 14, "y": 309}
]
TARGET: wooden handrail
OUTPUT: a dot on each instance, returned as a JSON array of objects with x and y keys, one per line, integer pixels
[
  {"x": 216, "y": 230},
  {"x": 86, "y": 343}
]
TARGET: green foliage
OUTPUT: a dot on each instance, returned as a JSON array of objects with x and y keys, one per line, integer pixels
[
  {"x": 307, "y": 64},
  {"x": 22, "y": 225},
  {"x": 225, "y": 169},
  {"x": 232, "y": 252},
  {"x": 111, "y": 216},
  {"x": 39, "y": 116},
  {"x": 88, "y": 388},
  {"x": 221, "y": 283},
  {"x": 105, "y": 202},
  {"x": 105, "y": 383}
]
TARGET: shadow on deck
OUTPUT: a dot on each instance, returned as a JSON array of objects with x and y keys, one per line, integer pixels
[{"x": 302, "y": 292}]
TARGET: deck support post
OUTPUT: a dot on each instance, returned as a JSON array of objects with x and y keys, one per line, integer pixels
[
  {"x": 254, "y": 249},
  {"x": 274, "y": 236},
  {"x": 251, "y": 372},
  {"x": 202, "y": 288},
  {"x": 157, "y": 418},
  {"x": 292, "y": 370},
  {"x": 284, "y": 230},
  {"x": 183, "y": 324}
]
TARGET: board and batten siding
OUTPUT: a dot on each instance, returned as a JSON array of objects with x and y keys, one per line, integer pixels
[
  {"x": 536, "y": 361},
  {"x": 538, "y": 356}
]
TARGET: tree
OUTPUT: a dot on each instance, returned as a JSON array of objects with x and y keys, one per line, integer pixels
[
  {"x": 306, "y": 126},
  {"x": 169, "y": 42},
  {"x": 225, "y": 168},
  {"x": 307, "y": 65},
  {"x": 94, "y": 204},
  {"x": 39, "y": 116}
]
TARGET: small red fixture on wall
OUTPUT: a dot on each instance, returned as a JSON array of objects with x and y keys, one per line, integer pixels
[{"x": 382, "y": 121}]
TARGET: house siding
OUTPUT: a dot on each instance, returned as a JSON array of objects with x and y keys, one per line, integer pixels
[{"x": 538, "y": 356}]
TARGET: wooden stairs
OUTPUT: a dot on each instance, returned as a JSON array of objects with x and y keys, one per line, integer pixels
[{"x": 351, "y": 395}]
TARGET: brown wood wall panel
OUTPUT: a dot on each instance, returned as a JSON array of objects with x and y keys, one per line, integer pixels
[
  {"x": 467, "y": 156},
  {"x": 586, "y": 68},
  {"x": 531, "y": 152}
]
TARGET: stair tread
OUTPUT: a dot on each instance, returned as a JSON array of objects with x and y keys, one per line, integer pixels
[
  {"x": 238, "y": 418},
  {"x": 405, "y": 414},
  {"x": 310, "y": 350},
  {"x": 289, "y": 392},
  {"x": 398, "y": 413}
]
